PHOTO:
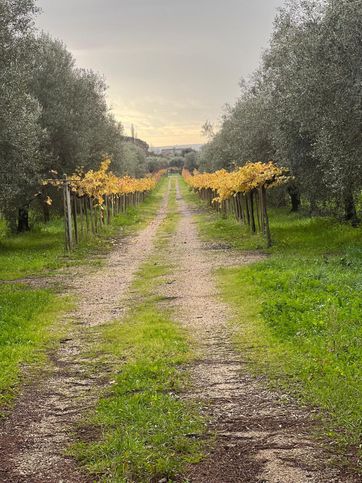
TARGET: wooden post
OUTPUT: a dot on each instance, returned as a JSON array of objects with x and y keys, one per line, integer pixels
[
  {"x": 262, "y": 210},
  {"x": 108, "y": 208},
  {"x": 65, "y": 210},
  {"x": 266, "y": 218},
  {"x": 75, "y": 221},
  {"x": 81, "y": 216},
  {"x": 257, "y": 203},
  {"x": 93, "y": 221},
  {"x": 238, "y": 207},
  {"x": 67, "y": 215},
  {"x": 85, "y": 201},
  {"x": 101, "y": 216},
  {"x": 112, "y": 205},
  {"x": 252, "y": 216},
  {"x": 241, "y": 207},
  {"x": 247, "y": 208}
]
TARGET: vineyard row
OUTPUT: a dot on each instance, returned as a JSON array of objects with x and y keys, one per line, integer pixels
[
  {"x": 241, "y": 193},
  {"x": 92, "y": 199}
]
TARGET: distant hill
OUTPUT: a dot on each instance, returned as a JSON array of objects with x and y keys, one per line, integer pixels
[
  {"x": 141, "y": 144},
  {"x": 177, "y": 148}
]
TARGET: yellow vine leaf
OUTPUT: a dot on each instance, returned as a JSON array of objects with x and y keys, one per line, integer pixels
[{"x": 247, "y": 178}]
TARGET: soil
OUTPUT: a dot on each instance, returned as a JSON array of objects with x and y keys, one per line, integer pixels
[{"x": 259, "y": 435}]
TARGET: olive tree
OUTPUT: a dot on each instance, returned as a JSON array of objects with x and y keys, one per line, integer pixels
[
  {"x": 20, "y": 134},
  {"x": 302, "y": 107},
  {"x": 134, "y": 160},
  {"x": 339, "y": 135},
  {"x": 73, "y": 107}
]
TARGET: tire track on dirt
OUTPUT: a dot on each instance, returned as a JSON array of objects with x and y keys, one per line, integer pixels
[
  {"x": 259, "y": 437},
  {"x": 34, "y": 437}
]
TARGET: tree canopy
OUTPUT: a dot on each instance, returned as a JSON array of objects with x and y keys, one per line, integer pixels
[
  {"x": 53, "y": 115},
  {"x": 302, "y": 107}
]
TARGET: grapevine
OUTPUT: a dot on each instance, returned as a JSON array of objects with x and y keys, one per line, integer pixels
[
  {"x": 92, "y": 198},
  {"x": 241, "y": 192},
  {"x": 101, "y": 183},
  {"x": 226, "y": 184}
]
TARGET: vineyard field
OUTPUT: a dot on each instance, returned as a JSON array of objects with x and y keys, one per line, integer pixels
[
  {"x": 190, "y": 313},
  {"x": 150, "y": 361}
]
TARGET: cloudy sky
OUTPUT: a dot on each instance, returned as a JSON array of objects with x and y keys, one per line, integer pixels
[{"x": 170, "y": 64}]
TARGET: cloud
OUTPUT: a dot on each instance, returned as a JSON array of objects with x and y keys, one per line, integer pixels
[
  {"x": 170, "y": 64},
  {"x": 161, "y": 121}
]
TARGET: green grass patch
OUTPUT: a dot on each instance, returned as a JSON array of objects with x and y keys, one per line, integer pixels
[
  {"x": 147, "y": 432},
  {"x": 25, "y": 318},
  {"x": 302, "y": 326},
  {"x": 168, "y": 227},
  {"x": 299, "y": 312},
  {"x": 151, "y": 270},
  {"x": 304, "y": 236},
  {"x": 32, "y": 252}
]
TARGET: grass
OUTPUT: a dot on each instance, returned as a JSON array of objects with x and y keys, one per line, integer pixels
[
  {"x": 299, "y": 313},
  {"x": 32, "y": 252},
  {"x": 27, "y": 315},
  {"x": 138, "y": 217},
  {"x": 146, "y": 431},
  {"x": 25, "y": 318}
]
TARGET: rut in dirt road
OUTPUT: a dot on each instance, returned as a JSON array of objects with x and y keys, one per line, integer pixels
[
  {"x": 34, "y": 437},
  {"x": 259, "y": 437}
]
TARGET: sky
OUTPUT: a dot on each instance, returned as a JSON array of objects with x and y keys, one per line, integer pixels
[{"x": 170, "y": 64}]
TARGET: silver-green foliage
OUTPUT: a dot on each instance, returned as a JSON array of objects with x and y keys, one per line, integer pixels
[
  {"x": 53, "y": 115},
  {"x": 303, "y": 106},
  {"x": 20, "y": 132}
]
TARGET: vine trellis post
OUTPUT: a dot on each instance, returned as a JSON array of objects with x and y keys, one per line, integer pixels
[
  {"x": 67, "y": 215},
  {"x": 91, "y": 200},
  {"x": 84, "y": 216},
  {"x": 241, "y": 193},
  {"x": 249, "y": 208}
]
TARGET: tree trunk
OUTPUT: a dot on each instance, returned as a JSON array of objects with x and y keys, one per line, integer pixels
[
  {"x": 23, "y": 220},
  {"x": 350, "y": 212},
  {"x": 252, "y": 216},
  {"x": 265, "y": 217},
  {"x": 313, "y": 207},
  {"x": 294, "y": 194},
  {"x": 46, "y": 212}
]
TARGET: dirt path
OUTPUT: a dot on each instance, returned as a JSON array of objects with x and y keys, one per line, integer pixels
[
  {"x": 259, "y": 438},
  {"x": 33, "y": 438}
]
